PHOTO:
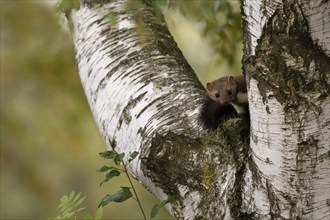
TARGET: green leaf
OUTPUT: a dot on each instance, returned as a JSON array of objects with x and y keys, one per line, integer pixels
[
  {"x": 75, "y": 198},
  {"x": 78, "y": 210},
  {"x": 66, "y": 6},
  {"x": 99, "y": 213},
  {"x": 156, "y": 207},
  {"x": 133, "y": 156},
  {"x": 71, "y": 195},
  {"x": 66, "y": 207},
  {"x": 107, "y": 154},
  {"x": 110, "y": 175},
  {"x": 66, "y": 210},
  {"x": 104, "y": 169},
  {"x": 120, "y": 196},
  {"x": 68, "y": 215},
  {"x": 116, "y": 157},
  {"x": 79, "y": 201},
  {"x": 63, "y": 201},
  {"x": 69, "y": 205}
]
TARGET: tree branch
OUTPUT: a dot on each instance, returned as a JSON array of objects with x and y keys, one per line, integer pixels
[{"x": 146, "y": 98}]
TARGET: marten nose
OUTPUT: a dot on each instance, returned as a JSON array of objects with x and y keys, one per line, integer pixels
[{"x": 224, "y": 102}]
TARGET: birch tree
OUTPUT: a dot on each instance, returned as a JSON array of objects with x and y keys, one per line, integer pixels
[{"x": 146, "y": 98}]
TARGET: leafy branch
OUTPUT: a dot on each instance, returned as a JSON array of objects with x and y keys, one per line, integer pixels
[
  {"x": 70, "y": 204},
  {"x": 125, "y": 192}
]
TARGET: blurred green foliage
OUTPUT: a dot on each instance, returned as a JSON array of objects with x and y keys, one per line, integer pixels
[
  {"x": 69, "y": 206},
  {"x": 49, "y": 140},
  {"x": 220, "y": 22},
  {"x": 209, "y": 34}
]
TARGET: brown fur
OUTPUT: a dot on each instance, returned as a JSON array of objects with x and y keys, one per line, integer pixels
[{"x": 230, "y": 91}]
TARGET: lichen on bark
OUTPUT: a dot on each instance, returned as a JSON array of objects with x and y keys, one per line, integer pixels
[
  {"x": 284, "y": 57},
  {"x": 208, "y": 161}
]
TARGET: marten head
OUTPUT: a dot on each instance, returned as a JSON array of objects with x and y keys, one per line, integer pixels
[{"x": 222, "y": 90}]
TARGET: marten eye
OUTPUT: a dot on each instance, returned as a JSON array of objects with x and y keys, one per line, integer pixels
[
  {"x": 217, "y": 95},
  {"x": 229, "y": 92}
]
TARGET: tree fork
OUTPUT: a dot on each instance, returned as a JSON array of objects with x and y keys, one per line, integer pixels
[{"x": 146, "y": 98}]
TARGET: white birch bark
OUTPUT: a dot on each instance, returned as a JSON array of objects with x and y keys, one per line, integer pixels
[
  {"x": 135, "y": 90},
  {"x": 288, "y": 67},
  {"x": 146, "y": 98}
]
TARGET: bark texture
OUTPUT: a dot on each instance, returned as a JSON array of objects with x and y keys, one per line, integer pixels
[
  {"x": 287, "y": 64},
  {"x": 146, "y": 98}
]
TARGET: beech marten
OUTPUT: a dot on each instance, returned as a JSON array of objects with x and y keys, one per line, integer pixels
[{"x": 226, "y": 95}]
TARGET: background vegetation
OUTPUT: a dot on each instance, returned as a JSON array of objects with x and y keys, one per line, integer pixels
[{"x": 49, "y": 141}]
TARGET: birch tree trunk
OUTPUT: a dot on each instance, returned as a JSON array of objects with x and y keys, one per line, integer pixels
[
  {"x": 146, "y": 98},
  {"x": 287, "y": 48}
]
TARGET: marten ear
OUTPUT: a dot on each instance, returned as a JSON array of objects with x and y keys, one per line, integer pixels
[
  {"x": 209, "y": 86},
  {"x": 231, "y": 81}
]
